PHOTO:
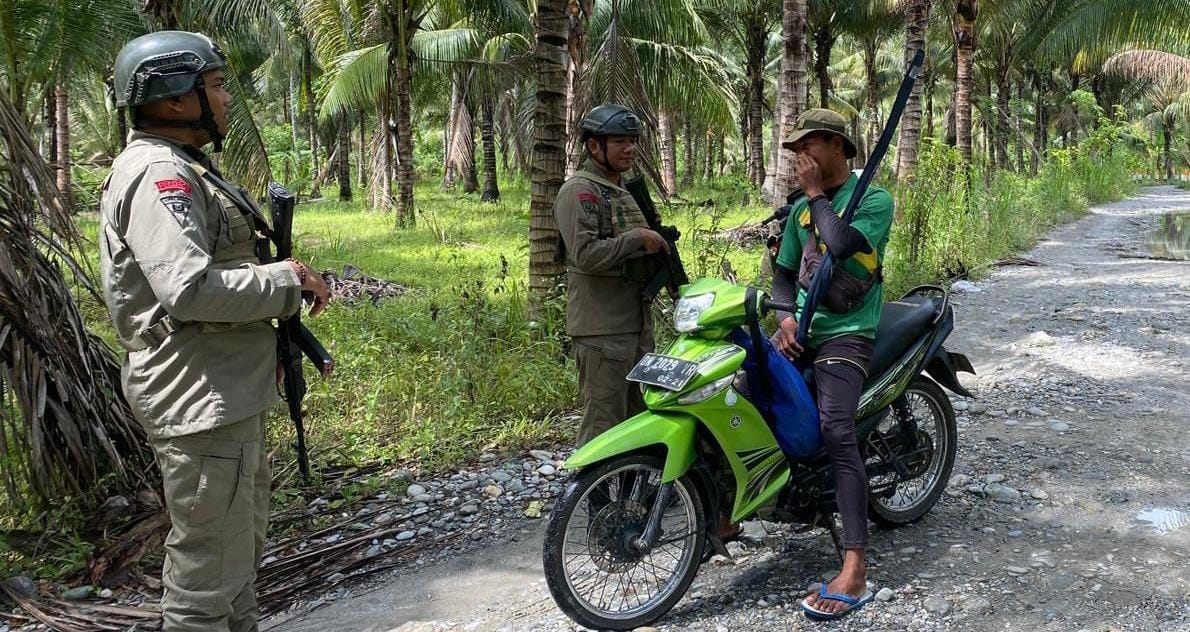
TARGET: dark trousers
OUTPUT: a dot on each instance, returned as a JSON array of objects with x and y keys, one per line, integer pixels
[{"x": 840, "y": 368}]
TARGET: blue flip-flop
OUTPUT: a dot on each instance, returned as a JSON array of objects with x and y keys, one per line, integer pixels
[{"x": 853, "y": 604}]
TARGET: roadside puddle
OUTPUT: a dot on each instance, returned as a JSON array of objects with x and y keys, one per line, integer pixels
[
  {"x": 1171, "y": 238},
  {"x": 1164, "y": 519}
]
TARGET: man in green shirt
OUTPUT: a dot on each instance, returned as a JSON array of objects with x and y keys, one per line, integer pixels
[{"x": 840, "y": 336}]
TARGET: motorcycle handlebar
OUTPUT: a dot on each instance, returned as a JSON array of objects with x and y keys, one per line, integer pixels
[{"x": 770, "y": 304}]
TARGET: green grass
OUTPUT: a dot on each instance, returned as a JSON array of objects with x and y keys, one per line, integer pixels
[{"x": 454, "y": 366}]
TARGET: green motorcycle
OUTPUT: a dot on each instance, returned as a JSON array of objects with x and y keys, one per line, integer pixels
[{"x": 640, "y": 514}]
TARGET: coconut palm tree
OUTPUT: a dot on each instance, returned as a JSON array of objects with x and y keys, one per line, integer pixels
[
  {"x": 745, "y": 28},
  {"x": 1164, "y": 82}
]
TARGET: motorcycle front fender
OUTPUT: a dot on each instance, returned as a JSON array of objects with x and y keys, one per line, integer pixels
[{"x": 674, "y": 432}]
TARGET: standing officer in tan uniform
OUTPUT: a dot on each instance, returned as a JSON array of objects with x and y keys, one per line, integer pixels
[
  {"x": 606, "y": 239},
  {"x": 191, "y": 304}
]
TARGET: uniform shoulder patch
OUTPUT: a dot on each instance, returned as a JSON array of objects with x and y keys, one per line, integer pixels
[
  {"x": 587, "y": 196},
  {"x": 173, "y": 184},
  {"x": 176, "y": 197}
]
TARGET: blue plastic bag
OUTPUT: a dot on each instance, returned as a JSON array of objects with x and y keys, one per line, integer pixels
[{"x": 787, "y": 404}]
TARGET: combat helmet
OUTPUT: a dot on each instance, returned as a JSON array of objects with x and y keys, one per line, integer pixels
[{"x": 164, "y": 65}]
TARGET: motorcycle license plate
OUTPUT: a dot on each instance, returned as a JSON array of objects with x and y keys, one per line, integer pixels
[{"x": 663, "y": 371}]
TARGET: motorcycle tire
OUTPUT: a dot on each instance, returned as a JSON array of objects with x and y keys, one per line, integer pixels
[
  {"x": 554, "y": 557},
  {"x": 927, "y": 392}
]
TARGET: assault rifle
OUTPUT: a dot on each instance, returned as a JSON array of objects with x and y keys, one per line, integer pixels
[
  {"x": 293, "y": 339},
  {"x": 671, "y": 273}
]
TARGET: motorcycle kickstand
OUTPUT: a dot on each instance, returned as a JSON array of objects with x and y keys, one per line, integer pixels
[{"x": 835, "y": 538}]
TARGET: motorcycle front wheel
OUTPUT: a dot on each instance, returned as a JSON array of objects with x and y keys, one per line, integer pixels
[{"x": 595, "y": 574}]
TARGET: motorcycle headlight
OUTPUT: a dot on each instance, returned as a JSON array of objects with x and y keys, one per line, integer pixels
[
  {"x": 689, "y": 309},
  {"x": 708, "y": 391}
]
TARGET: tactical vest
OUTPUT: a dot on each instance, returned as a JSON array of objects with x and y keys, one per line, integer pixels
[{"x": 615, "y": 220}]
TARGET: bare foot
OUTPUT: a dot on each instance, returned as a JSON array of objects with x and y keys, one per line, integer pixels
[
  {"x": 838, "y": 585},
  {"x": 850, "y": 582}
]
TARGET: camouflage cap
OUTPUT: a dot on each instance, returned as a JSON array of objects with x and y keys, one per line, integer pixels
[{"x": 819, "y": 120}]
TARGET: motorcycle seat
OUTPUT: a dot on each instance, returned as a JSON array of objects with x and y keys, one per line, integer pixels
[{"x": 901, "y": 323}]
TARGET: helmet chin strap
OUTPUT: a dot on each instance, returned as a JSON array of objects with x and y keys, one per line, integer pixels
[
  {"x": 207, "y": 117},
  {"x": 602, "y": 140},
  {"x": 205, "y": 122}
]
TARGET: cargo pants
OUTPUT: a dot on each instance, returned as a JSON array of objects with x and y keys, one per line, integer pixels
[
  {"x": 217, "y": 493},
  {"x": 603, "y": 363}
]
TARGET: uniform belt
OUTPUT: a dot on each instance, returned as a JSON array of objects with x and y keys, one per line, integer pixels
[{"x": 153, "y": 335}]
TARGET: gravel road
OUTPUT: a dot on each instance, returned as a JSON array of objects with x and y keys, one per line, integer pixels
[{"x": 1069, "y": 507}]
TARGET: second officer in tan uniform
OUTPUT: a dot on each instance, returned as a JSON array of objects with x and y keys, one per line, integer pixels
[
  {"x": 606, "y": 240},
  {"x": 191, "y": 304}
]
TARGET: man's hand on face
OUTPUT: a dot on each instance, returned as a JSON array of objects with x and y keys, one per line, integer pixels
[
  {"x": 653, "y": 241},
  {"x": 785, "y": 338},
  {"x": 809, "y": 174}
]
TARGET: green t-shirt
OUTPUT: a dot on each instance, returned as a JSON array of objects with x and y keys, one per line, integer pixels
[{"x": 873, "y": 218}]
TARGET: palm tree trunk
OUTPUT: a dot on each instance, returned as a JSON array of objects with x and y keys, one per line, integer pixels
[
  {"x": 343, "y": 162},
  {"x": 824, "y": 40},
  {"x": 1166, "y": 132},
  {"x": 665, "y": 134},
  {"x": 576, "y": 102},
  {"x": 792, "y": 92},
  {"x": 448, "y": 170},
  {"x": 308, "y": 88},
  {"x": 491, "y": 187},
  {"x": 62, "y": 123},
  {"x": 720, "y": 151},
  {"x": 361, "y": 169},
  {"x": 917, "y": 21},
  {"x": 688, "y": 170},
  {"x": 745, "y": 99},
  {"x": 292, "y": 116},
  {"x": 382, "y": 192},
  {"x": 549, "y": 150},
  {"x": 1003, "y": 86},
  {"x": 964, "y": 35},
  {"x": 869, "y": 51},
  {"x": 1038, "y": 123},
  {"x": 757, "y": 36},
  {"x": 709, "y": 158},
  {"x": 51, "y": 125},
  {"x": 1016, "y": 123},
  {"x": 470, "y": 173},
  {"x": 402, "y": 79}
]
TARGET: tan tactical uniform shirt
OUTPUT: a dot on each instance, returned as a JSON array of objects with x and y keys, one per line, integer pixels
[
  {"x": 600, "y": 225},
  {"x": 186, "y": 292}
]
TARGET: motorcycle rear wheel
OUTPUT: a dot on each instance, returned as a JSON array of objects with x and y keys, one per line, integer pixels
[
  {"x": 592, "y": 572},
  {"x": 913, "y": 498}
]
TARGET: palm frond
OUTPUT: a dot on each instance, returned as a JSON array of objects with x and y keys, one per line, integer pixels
[
  {"x": 64, "y": 427},
  {"x": 1155, "y": 65},
  {"x": 358, "y": 81}
]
